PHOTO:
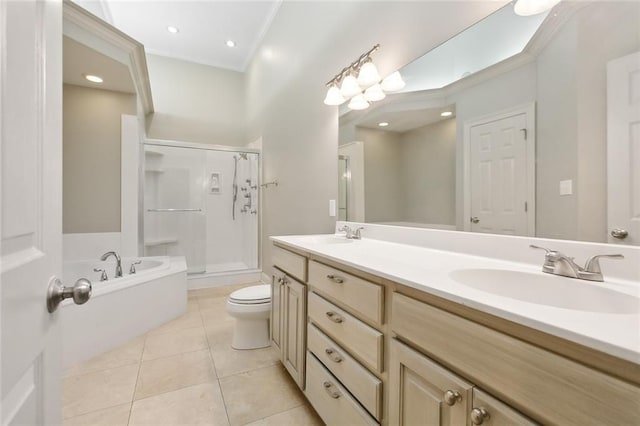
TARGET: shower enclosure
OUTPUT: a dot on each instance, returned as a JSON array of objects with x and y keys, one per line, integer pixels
[{"x": 202, "y": 202}]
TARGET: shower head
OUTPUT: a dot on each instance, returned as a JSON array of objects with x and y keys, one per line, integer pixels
[{"x": 243, "y": 155}]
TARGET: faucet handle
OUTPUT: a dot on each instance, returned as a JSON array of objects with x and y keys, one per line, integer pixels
[
  {"x": 132, "y": 269},
  {"x": 541, "y": 248},
  {"x": 103, "y": 275},
  {"x": 593, "y": 263}
]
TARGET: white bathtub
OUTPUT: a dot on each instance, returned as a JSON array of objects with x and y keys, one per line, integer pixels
[{"x": 120, "y": 308}]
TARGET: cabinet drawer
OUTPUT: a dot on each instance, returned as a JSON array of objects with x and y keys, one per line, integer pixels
[
  {"x": 556, "y": 389},
  {"x": 364, "y": 297},
  {"x": 332, "y": 402},
  {"x": 352, "y": 334},
  {"x": 363, "y": 385},
  {"x": 497, "y": 412},
  {"x": 292, "y": 263}
]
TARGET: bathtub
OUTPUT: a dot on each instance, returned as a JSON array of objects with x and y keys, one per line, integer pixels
[{"x": 120, "y": 308}]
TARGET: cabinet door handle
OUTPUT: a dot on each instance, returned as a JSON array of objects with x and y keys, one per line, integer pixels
[
  {"x": 479, "y": 415},
  {"x": 333, "y": 355},
  {"x": 335, "y": 278},
  {"x": 334, "y": 317},
  {"x": 451, "y": 397},
  {"x": 332, "y": 393}
]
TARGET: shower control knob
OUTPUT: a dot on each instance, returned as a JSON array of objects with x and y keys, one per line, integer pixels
[
  {"x": 56, "y": 293},
  {"x": 254, "y": 212}
]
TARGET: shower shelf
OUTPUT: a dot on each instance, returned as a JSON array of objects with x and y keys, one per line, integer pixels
[
  {"x": 160, "y": 242},
  {"x": 153, "y": 153}
]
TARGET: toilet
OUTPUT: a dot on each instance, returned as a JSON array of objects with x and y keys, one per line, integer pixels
[{"x": 250, "y": 306}]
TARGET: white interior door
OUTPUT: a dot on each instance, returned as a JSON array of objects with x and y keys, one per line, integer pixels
[
  {"x": 499, "y": 177},
  {"x": 623, "y": 149},
  {"x": 30, "y": 210}
]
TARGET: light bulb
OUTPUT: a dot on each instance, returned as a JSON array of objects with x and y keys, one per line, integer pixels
[
  {"x": 358, "y": 102},
  {"x": 533, "y": 7},
  {"x": 350, "y": 87},
  {"x": 334, "y": 97},
  {"x": 368, "y": 75},
  {"x": 446, "y": 114},
  {"x": 93, "y": 78},
  {"x": 393, "y": 82},
  {"x": 374, "y": 93}
]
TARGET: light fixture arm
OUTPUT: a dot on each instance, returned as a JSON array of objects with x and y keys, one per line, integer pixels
[{"x": 354, "y": 66}]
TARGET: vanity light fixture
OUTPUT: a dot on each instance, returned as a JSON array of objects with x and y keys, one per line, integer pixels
[
  {"x": 173, "y": 30},
  {"x": 93, "y": 78},
  {"x": 533, "y": 7},
  {"x": 446, "y": 114},
  {"x": 360, "y": 82},
  {"x": 230, "y": 43},
  {"x": 383, "y": 124}
]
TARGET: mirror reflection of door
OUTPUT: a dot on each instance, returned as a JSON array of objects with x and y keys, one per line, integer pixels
[
  {"x": 344, "y": 187},
  {"x": 623, "y": 149},
  {"x": 501, "y": 173}
]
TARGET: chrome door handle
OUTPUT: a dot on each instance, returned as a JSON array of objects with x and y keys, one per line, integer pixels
[
  {"x": 335, "y": 278},
  {"x": 619, "y": 233},
  {"x": 56, "y": 293},
  {"x": 334, "y": 317},
  {"x": 474, "y": 219}
]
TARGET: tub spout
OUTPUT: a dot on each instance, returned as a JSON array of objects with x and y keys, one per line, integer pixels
[{"x": 118, "y": 261}]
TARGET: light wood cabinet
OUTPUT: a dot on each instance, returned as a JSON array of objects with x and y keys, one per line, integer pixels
[
  {"x": 294, "y": 321},
  {"x": 275, "y": 323},
  {"x": 488, "y": 411}
]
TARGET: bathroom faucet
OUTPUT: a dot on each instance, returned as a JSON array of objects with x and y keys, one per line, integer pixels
[
  {"x": 118, "y": 261},
  {"x": 560, "y": 264},
  {"x": 351, "y": 234}
]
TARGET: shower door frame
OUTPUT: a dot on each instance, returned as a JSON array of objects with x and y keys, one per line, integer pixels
[{"x": 199, "y": 146}]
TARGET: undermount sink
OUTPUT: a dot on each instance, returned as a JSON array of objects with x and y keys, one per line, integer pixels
[
  {"x": 325, "y": 239},
  {"x": 549, "y": 290}
]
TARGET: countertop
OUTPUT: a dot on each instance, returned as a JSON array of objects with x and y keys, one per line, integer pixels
[{"x": 433, "y": 271}]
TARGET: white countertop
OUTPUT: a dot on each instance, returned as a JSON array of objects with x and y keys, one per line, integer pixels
[{"x": 430, "y": 270}]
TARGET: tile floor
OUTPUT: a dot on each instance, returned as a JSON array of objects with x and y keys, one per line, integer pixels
[{"x": 186, "y": 373}]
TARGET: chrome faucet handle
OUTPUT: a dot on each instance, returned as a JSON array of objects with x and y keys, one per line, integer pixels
[
  {"x": 132, "y": 269},
  {"x": 347, "y": 230},
  {"x": 558, "y": 263},
  {"x": 357, "y": 234},
  {"x": 103, "y": 275},
  {"x": 593, "y": 263}
]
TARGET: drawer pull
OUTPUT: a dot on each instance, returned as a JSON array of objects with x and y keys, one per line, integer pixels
[
  {"x": 479, "y": 415},
  {"x": 334, "y": 317},
  {"x": 451, "y": 397},
  {"x": 333, "y": 394},
  {"x": 333, "y": 355},
  {"x": 335, "y": 278}
]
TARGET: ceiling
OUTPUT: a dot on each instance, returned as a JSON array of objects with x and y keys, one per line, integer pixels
[
  {"x": 79, "y": 59},
  {"x": 405, "y": 120},
  {"x": 204, "y": 27}
]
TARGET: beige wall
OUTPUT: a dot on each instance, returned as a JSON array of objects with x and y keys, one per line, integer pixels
[
  {"x": 91, "y": 158},
  {"x": 196, "y": 103}
]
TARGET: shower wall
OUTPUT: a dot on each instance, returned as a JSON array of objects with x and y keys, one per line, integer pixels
[{"x": 189, "y": 208}]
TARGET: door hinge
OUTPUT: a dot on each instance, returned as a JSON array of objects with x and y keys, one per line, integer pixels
[
  {"x": 526, "y": 206},
  {"x": 525, "y": 133}
]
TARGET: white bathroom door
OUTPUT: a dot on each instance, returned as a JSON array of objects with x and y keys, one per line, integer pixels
[
  {"x": 31, "y": 209},
  {"x": 500, "y": 176},
  {"x": 623, "y": 149}
]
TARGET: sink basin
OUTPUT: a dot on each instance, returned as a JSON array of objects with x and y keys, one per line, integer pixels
[
  {"x": 324, "y": 239},
  {"x": 549, "y": 290}
]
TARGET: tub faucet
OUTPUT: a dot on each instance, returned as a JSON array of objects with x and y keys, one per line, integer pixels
[{"x": 118, "y": 261}]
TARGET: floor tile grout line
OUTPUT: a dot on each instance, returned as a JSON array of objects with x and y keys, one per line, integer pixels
[
  {"x": 133, "y": 397},
  {"x": 276, "y": 362},
  {"x": 303, "y": 403}
]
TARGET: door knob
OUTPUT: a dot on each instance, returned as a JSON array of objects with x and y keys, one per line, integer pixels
[
  {"x": 474, "y": 219},
  {"x": 56, "y": 293},
  {"x": 619, "y": 233}
]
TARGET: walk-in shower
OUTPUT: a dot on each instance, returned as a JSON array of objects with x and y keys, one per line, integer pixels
[{"x": 202, "y": 202}]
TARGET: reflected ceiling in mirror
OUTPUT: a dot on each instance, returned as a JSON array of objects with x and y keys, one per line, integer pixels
[{"x": 534, "y": 144}]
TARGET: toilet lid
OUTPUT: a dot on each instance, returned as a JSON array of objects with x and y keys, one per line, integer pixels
[{"x": 252, "y": 295}]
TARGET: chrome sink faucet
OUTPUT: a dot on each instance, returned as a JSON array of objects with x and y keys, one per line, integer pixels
[
  {"x": 350, "y": 233},
  {"x": 118, "y": 261},
  {"x": 560, "y": 264}
]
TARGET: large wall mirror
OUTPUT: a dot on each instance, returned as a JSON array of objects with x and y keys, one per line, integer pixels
[{"x": 519, "y": 125}]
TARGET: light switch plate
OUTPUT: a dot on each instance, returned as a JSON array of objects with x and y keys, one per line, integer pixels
[
  {"x": 566, "y": 187},
  {"x": 332, "y": 208}
]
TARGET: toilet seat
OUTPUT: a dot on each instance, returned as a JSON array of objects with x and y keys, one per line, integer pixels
[{"x": 254, "y": 295}]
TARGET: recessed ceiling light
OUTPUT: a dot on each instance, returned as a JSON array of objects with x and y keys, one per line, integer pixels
[
  {"x": 173, "y": 30},
  {"x": 383, "y": 124},
  {"x": 231, "y": 43},
  {"x": 446, "y": 113},
  {"x": 93, "y": 78}
]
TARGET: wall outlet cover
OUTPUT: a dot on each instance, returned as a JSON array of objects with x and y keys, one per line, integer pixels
[
  {"x": 332, "y": 208},
  {"x": 566, "y": 187}
]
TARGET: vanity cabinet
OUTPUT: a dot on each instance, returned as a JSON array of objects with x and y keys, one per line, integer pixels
[
  {"x": 424, "y": 392},
  {"x": 289, "y": 311}
]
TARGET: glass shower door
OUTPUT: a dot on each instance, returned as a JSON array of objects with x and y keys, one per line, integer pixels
[{"x": 175, "y": 219}]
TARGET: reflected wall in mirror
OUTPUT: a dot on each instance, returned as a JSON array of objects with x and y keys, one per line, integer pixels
[{"x": 530, "y": 133}]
